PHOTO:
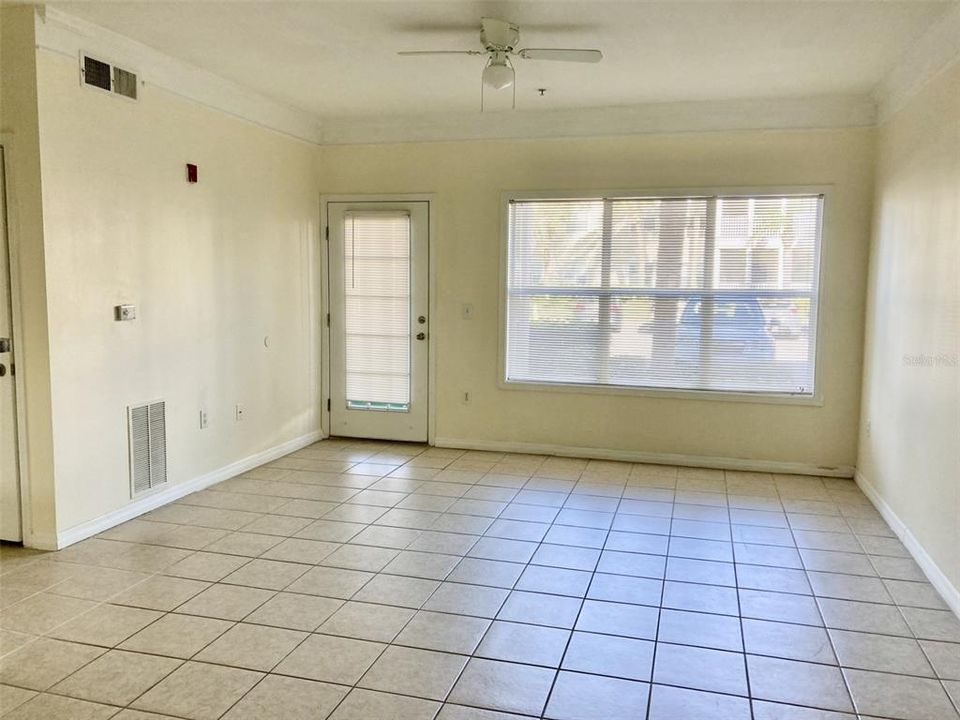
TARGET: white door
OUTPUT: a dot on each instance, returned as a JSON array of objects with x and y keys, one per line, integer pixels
[
  {"x": 378, "y": 265},
  {"x": 9, "y": 472}
]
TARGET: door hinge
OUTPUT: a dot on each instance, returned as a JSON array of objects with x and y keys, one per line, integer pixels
[
  {"x": 328, "y": 404},
  {"x": 328, "y": 319},
  {"x": 327, "y": 232}
]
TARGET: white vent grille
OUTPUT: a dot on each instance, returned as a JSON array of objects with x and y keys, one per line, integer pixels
[
  {"x": 125, "y": 83},
  {"x": 146, "y": 427},
  {"x": 104, "y": 76},
  {"x": 96, "y": 73}
]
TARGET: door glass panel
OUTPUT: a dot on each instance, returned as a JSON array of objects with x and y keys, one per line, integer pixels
[{"x": 377, "y": 310}]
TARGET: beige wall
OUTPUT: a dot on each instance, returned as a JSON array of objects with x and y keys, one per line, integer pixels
[
  {"x": 213, "y": 269},
  {"x": 20, "y": 137},
  {"x": 910, "y": 427},
  {"x": 468, "y": 179}
]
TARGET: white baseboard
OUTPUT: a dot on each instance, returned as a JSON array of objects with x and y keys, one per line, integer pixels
[
  {"x": 947, "y": 590},
  {"x": 724, "y": 463},
  {"x": 169, "y": 494}
]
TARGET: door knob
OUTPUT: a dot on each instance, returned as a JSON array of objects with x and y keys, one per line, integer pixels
[
  {"x": 421, "y": 319},
  {"x": 3, "y": 370},
  {"x": 4, "y": 345},
  {"x": 421, "y": 336}
]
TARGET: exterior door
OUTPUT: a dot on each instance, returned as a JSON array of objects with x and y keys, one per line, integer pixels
[
  {"x": 10, "y": 528},
  {"x": 379, "y": 299}
]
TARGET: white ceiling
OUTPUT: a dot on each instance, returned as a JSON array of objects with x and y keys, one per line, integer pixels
[{"x": 337, "y": 59}]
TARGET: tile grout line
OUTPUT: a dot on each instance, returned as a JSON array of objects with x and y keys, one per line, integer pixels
[
  {"x": 477, "y": 483},
  {"x": 913, "y": 633},
  {"x": 736, "y": 580},
  {"x": 663, "y": 592},
  {"x": 583, "y": 601},
  {"x": 388, "y": 644},
  {"x": 500, "y": 608},
  {"x": 418, "y": 610},
  {"x": 526, "y": 565},
  {"x": 175, "y": 610},
  {"x": 826, "y": 629},
  {"x": 311, "y": 634}
]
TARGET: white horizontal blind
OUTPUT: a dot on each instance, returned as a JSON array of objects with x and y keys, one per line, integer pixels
[
  {"x": 377, "y": 310},
  {"x": 715, "y": 293}
]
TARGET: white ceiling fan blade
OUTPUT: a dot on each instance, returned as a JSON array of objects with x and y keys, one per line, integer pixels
[
  {"x": 441, "y": 52},
  {"x": 567, "y": 55}
]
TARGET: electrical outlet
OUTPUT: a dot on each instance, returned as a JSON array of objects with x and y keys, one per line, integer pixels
[
  {"x": 204, "y": 420},
  {"x": 240, "y": 411}
]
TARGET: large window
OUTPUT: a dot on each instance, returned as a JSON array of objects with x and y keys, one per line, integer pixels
[{"x": 713, "y": 293}]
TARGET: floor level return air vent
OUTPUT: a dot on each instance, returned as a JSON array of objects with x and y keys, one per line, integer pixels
[{"x": 147, "y": 432}]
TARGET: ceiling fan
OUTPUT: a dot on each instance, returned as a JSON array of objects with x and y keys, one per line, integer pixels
[{"x": 499, "y": 40}]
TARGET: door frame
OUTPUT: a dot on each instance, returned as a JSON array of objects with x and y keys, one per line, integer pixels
[
  {"x": 8, "y": 143},
  {"x": 325, "y": 379}
]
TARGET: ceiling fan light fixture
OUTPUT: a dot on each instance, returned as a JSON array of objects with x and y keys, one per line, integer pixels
[{"x": 498, "y": 74}]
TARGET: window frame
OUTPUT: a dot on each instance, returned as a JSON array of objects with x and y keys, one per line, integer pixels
[{"x": 759, "y": 397}]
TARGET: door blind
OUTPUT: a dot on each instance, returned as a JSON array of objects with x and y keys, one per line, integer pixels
[
  {"x": 713, "y": 293},
  {"x": 377, "y": 310}
]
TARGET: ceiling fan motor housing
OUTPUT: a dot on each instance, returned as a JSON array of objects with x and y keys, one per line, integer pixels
[{"x": 499, "y": 34}]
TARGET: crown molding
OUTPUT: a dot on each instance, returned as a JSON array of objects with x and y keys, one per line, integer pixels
[
  {"x": 62, "y": 33},
  {"x": 705, "y": 116},
  {"x": 936, "y": 50},
  {"x": 68, "y": 35}
]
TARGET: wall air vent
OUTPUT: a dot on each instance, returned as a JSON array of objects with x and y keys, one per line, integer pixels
[
  {"x": 146, "y": 430},
  {"x": 125, "y": 83},
  {"x": 96, "y": 73},
  {"x": 104, "y": 76}
]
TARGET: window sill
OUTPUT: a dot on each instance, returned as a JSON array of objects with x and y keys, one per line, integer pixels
[{"x": 815, "y": 400}]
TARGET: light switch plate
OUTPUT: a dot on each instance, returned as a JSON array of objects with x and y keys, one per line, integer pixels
[{"x": 124, "y": 312}]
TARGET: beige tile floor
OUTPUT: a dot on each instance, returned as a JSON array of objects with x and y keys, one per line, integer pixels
[{"x": 371, "y": 580}]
